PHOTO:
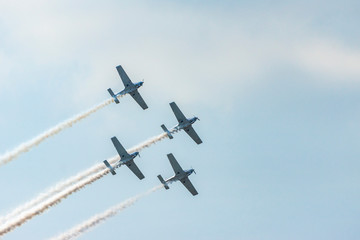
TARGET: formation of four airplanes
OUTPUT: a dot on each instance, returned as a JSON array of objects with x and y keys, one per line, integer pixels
[{"x": 128, "y": 159}]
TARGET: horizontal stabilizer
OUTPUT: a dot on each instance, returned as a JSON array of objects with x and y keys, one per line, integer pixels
[
  {"x": 167, "y": 131},
  {"x": 113, "y": 95},
  {"x": 107, "y": 164},
  {"x": 163, "y": 182}
]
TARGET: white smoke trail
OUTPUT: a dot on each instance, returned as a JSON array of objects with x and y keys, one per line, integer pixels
[
  {"x": 62, "y": 190},
  {"x": 99, "y": 218},
  {"x": 24, "y": 147},
  {"x": 53, "y": 190},
  {"x": 52, "y": 201},
  {"x": 148, "y": 143},
  {"x": 72, "y": 180}
]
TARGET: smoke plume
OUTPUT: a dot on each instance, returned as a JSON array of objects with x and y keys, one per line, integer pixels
[
  {"x": 26, "y": 146},
  {"x": 99, "y": 218},
  {"x": 62, "y": 190}
]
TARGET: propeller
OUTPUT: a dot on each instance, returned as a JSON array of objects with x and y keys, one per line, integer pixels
[
  {"x": 193, "y": 169},
  {"x": 139, "y": 155}
]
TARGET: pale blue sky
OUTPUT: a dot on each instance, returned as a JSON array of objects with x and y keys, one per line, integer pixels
[{"x": 275, "y": 84}]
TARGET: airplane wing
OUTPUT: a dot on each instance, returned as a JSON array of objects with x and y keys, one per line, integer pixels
[
  {"x": 132, "y": 166},
  {"x": 137, "y": 97},
  {"x": 124, "y": 77},
  {"x": 178, "y": 114},
  {"x": 119, "y": 148},
  {"x": 186, "y": 182},
  {"x": 175, "y": 165},
  {"x": 191, "y": 132}
]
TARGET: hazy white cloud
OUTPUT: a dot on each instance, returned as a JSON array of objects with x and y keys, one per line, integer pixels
[
  {"x": 6, "y": 67},
  {"x": 335, "y": 61},
  {"x": 180, "y": 51},
  {"x": 46, "y": 31}
]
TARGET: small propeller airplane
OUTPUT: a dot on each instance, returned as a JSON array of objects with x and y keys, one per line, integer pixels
[
  {"x": 125, "y": 159},
  {"x": 130, "y": 88},
  {"x": 180, "y": 175},
  {"x": 184, "y": 123}
]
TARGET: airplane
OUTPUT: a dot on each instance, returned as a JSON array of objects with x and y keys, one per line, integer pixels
[
  {"x": 125, "y": 159},
  {"x": 184, "y": 123},
  {"x": 180, "y": 175},
  {"x": 130, "y": 88}
]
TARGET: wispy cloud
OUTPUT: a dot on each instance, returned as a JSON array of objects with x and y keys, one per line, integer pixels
[
  {"x": 331, "y": 59},
  {"x": 183, "y": 50}
]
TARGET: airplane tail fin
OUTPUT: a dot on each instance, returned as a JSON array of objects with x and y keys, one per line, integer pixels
[
  {"x": 110, "y": 167},
  {"x": 167, "y": 131},
  {"x": 166, "y": 186},
  {"x": 113, "y": 95}
]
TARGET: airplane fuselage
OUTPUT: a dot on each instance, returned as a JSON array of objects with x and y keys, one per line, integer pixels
[
  {"x": 180, "y": 176},
  {"x": 124, "y": 160},
  {"x": 129, "y": 89},
  {"x": 185, "y": 124}
]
